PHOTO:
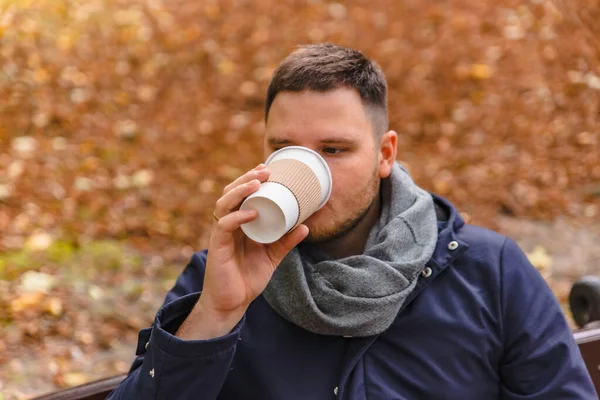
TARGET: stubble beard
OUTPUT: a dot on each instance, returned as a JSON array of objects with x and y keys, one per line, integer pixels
[{"x": 328, "y": 235}]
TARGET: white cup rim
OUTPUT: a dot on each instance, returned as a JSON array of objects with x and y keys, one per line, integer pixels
[{"x": 319, "y": 157}]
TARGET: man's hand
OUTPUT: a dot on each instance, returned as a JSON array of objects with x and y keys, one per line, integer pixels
[{"x": 237, "y": 268}]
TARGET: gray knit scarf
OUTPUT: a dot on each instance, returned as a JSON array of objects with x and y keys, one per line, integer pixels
[{"x": 361, "y": 295}]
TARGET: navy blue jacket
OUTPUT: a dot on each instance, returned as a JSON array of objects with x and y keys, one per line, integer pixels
[{"x": 480, "y": 324}]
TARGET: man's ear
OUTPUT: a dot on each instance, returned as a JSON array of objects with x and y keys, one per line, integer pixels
[{"x": 387, "y": 153}]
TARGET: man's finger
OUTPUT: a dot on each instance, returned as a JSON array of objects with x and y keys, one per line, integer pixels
[
  {"x": 260, "y": 173},
  {"x": 232, "y": 200},
  {"x": 233, "y": 221}
]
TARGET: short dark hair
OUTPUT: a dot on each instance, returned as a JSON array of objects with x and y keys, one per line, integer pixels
[{"x": 323, "y": 67}]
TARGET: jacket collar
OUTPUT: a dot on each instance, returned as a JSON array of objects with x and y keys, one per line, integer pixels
[{"x": 444, "y": 252}]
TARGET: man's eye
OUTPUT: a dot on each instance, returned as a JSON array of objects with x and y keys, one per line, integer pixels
[{"x": 331, "y": 150}]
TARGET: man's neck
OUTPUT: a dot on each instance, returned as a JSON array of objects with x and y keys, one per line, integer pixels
[{"x": 353, "y": 242}]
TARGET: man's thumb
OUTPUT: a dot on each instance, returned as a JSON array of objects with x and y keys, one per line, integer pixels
[{"x": 280, "y": 248}]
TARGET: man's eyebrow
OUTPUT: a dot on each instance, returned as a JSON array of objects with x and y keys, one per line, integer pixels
[
  {"x": 338, "y": 141},
  {"x": 274, "y": 142},
  {"x": 278, "y": 142}
]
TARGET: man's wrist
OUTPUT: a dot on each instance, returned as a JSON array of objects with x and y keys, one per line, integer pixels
[{"x": 204, "y": 323}]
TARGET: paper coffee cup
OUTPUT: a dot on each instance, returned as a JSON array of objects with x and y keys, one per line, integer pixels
[{"x": 299, "y": 185}]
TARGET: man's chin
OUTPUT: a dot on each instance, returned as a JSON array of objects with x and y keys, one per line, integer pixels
[
  {"x": 317, "y": 238},
  {"x": 321, "y": 229},
  {"x": 317, "y": 233}
]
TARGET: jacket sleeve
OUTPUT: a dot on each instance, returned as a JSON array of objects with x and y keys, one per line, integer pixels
[
  {"x": 168, "y": 367},
  {"x": 540, "y": 359}
]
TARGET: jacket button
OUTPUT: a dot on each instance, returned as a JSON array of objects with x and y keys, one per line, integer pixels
[
  {"x": 146, "y": 346},
  {"x": 453, "y": 245},
  {"x": 426, "y": 273},
  {"x": 152, "y": 372},
  {"x": 335, "y": 390}
]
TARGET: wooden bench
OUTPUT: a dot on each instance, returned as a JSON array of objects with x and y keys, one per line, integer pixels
[{"x": 97, "y": 390}]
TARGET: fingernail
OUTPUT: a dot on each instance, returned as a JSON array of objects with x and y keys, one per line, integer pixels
[{"x": 260, "y": 166}]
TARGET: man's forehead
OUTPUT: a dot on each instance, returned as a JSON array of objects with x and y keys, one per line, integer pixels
[{"x": 307, "y": 105}]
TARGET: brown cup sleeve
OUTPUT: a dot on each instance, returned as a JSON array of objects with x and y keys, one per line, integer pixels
[{"x": 301, "y": 180}]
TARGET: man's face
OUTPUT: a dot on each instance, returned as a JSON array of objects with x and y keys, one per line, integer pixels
[{"x": 334, "y": 124}]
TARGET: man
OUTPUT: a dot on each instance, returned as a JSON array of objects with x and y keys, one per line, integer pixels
[{"x": 385, "y": 293}]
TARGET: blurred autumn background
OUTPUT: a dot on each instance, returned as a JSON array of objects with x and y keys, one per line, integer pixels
[{"x": 121, "y": 121}]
